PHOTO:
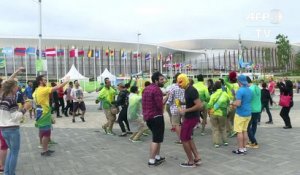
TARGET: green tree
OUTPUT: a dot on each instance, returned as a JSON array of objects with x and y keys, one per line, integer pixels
[
  {"x": 297, "y": 60},
  {"x": 283, "y": 50}
]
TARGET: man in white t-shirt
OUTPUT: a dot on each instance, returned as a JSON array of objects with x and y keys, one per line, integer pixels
[{"x": 78, "y": 103}]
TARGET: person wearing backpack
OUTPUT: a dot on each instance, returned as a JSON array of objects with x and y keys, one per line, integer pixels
[
  {"x": 218, "y": 109},
  {"x": 122, "y": 101}
]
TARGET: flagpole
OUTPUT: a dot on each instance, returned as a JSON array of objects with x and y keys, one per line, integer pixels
[
  {"x": 150, "y": 65},
  {"x": 13, "y": 55},
  {"x": 100, "y": 60},
  {"x": 35, "y": 63},
  {"x": 65, "y": 63},
  {"x": 95, "y": 76},
  {"x": 56, "y": 64},
  {"x": 26, "y": 73},
  {"x": 83, "y": 72},
  {"x": 124, "y": 63},
  {"x": 5, "y": 68}
]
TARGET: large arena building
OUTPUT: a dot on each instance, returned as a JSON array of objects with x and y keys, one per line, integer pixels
[{"x": 91, "y": 57}]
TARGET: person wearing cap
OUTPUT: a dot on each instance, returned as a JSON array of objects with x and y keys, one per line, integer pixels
[
  {"x": 231, "y": 86},
  {"x": 152, "y": 107},
  {"x": 122, "y": 101},
  {"x": 191, "y": 117},
  {"x": 243, "y": 114}
]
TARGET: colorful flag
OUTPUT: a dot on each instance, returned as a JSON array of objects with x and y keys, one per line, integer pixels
[
  {"x": 20, "y": 51},
  {"x": 41, "y": 65},
  {"x": 50, "y": 52},
  {"x": 90, "y": 53},
  {"x": 2, "y": 63},
  {"x": 112, "y": 54},
  {"x": 123, "y": 54},
  {"x": 30, "y": 51},
  {"x": 81, "y": 53},
  {"x": 7, "y": 51},
  {"x": 60, "y": 52},
  {"x": 148, "y": 56},
  {"x": 170, "y": 57},
  {"x": 73, "y": 53},
  {"x": 97, "y": 53},
  {"x": 136, "y": 55},
  {"x": 38, "y": 52}
]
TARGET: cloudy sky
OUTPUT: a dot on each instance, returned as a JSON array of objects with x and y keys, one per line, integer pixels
[{"x": 156, "y": 20}]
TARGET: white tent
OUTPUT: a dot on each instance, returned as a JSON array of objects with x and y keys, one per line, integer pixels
[
  {"x": 74, "y": 74},
  {"x": 106, "y": 74}
]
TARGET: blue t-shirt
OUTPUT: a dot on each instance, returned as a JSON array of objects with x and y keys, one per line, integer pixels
[
  {"x": 245, "y": 95},
  {"x": 28, "y": 92}
]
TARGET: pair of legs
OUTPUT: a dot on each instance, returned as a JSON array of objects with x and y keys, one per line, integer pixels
[
  {"x": 176, "y": 123},
  {"x": 45, "y": 134},
  {"x": 241, "y": 126},
  {"x": 62, "y": 104},
  {"x": 218, "y": 124},
  {"x": 230, "y": 120},
  {"x": 266, "y": 106},
  {"x": 138, "y": 128},
  {"x": 188, "y": 144},
  {"x": 122, "y": 118},
  {"x": 204, "y": 120},
  {"x": 81, "y": 106},
  {"x": 68, "y": 107},
  {"x": 252, "y": 127},
  {"x": 3, "y": 152},
  {"x": 284, "y": 113},
  {"x": 157, "y": 127},
  {"x": 12, "y": 138},
  {"x": 110, "y": 120}
]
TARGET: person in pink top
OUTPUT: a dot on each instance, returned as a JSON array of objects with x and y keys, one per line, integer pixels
[{"x": 271, "y": 86}]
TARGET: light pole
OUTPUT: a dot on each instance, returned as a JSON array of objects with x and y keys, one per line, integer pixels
[{"x": 138, "y": 50}]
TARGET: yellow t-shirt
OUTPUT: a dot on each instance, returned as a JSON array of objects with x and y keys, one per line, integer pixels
[{"x": 41, "y": 95}]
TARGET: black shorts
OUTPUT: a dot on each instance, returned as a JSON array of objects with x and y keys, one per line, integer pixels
[
  {"x": 77, "y": 105},
  {"x": 157, "y": 127}
]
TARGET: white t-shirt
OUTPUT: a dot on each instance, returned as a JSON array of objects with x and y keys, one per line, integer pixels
[{"x": 77, "y": 94}]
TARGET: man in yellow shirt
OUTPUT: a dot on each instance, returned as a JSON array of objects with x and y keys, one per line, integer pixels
[{"x": 43, "y": 111}]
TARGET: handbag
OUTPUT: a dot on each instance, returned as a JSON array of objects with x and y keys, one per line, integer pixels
[
  {"x": 114, "y": 110},
  {"x": 285, "y": 100}
]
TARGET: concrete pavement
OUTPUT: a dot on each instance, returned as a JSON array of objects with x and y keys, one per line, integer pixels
[{"x": 83, "y": 149}]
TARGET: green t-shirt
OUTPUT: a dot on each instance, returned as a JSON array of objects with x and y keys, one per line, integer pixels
[{"x": 256, "y": 98}]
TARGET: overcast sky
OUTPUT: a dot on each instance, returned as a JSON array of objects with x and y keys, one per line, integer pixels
[{"x": 157, "y": 20}]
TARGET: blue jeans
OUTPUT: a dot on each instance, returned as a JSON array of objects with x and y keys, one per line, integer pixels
[
  {"x": 12, "y": 138},
  {"x": 253, "y": 126}
]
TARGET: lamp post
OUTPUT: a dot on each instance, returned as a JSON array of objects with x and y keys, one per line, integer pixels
[{"x": 138, "y": 51}]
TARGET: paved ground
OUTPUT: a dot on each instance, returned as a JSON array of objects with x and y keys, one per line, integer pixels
[{"x": 83, "y": 149}]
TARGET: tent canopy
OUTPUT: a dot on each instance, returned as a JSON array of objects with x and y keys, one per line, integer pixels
[
  {"x": 74, "y": 74},
  {"x": 106, "y": 74}
]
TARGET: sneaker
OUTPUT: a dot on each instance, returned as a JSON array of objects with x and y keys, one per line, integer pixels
[
  {"x": 217, "y": 146},
  {"x": 129, "y": 132},
  {"x": 161, "y": 159},
  {"x": 248, "y": 145},
  {"x": 124, "y": 134},
  {"x": 178, "y": 142},
  {"x": 188, "y": 165},
  {"x": 136, "y": 141},
  {"x": 40, "y": 147},
  {"x": 46, "y": 153},
  {"x": 145, "y": 134},
  {"x": 269, "y": 122},
  {"x": 82, "y": 119},
  {"x": 202, "y": 133},
  {"x": 287, "y": 127},
  {"x": 237, "y": 151},
  {"x": 156, "y": 163},
  {"x": 255, "y": 146},
  {"x": 197, "y": 162},
  {"x": 111, "y": 133},
  {"x": 51, "y": 142},
  {"x": 73, "y": 120},
  {"x": 50, "y": 151},
  {"x": 104, "y": 129},
  {"x": 225, "y": 144}
]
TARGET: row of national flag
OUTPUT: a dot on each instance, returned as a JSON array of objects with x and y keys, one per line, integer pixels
[{"x": 52, "y": 52}]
